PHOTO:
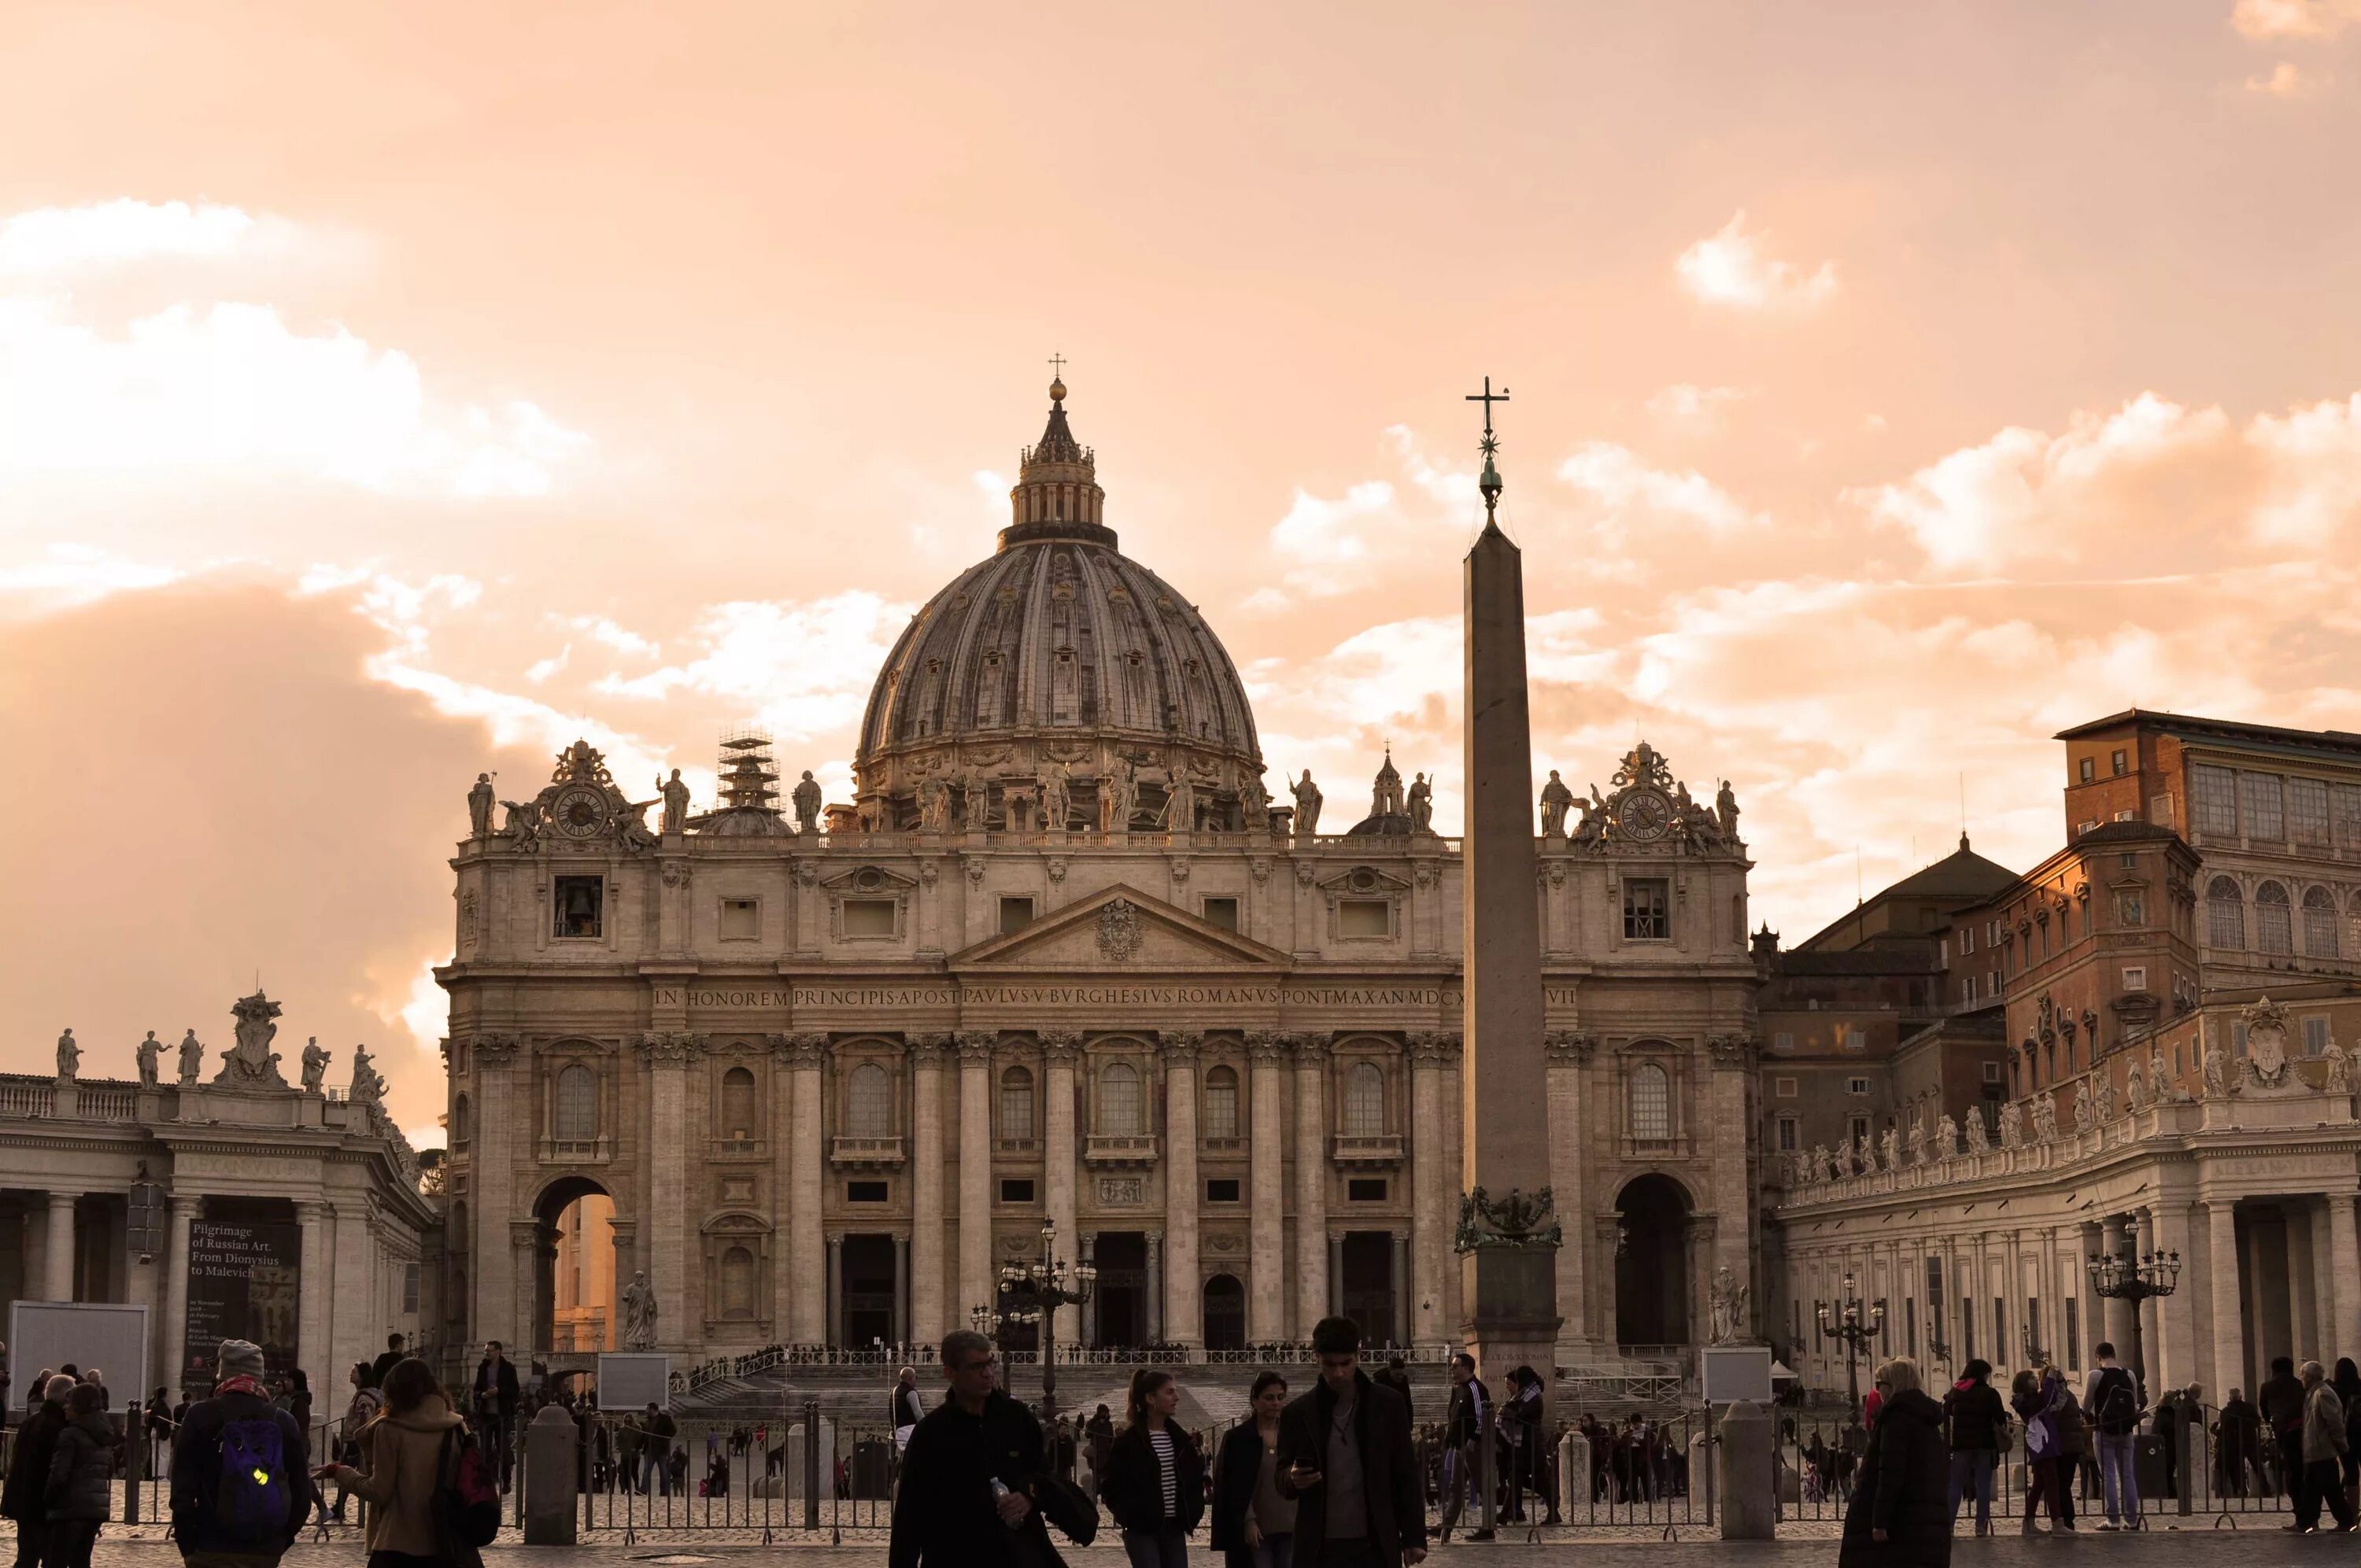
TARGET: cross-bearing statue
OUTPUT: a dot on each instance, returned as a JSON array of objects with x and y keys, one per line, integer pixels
[
  {"x": 675, "y": 803},
  {"x": 1557, "y": 801}
]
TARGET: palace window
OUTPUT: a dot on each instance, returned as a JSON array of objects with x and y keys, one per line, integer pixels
[
  {"x": 1366, "y": 1189},
  {"x": 1222, "y": 1103},
  {"x": 868, "y": 1104},
  {"x": 867, "y": 1192},
  {"x": 1790, "y": 1134},
  {"x": 459, "y": 1122},
  {"x": 738, "y": 1283},
  {"x": 2122, "y": 762},
  {"x": 1222, "y": 1190},
  {"x": 1120, "y": 1104},
  {"x": 2316, "y": 1036},
  {"x": 2135, "y": 977},
  {"x": 1783, "y": 1088},
  {"x": 1222, "y": 912},
  {"x": 577, "y": 905},
  {"x": 1651, "y": 1104},
  {"x": 741, "y": 919},
  {"x": 2087, "y": 770},
  {"x": 1016, "y": 1105},
  {"x": 2272, "y": 934},
  {"x": 1647, "y": 910},
  {"x": 1364, "y": 917},
  {"x": 1015, "y": 913},
  {"x": 2319, "y": 924},
  {"x": 1016, "y": 1190},
  {"x": 1365, "y": 1101},
  {"x": 2225, "y": 915},
  {"x": 2262, "y": 799},
  {"x": 869, "y": 917},
  {"x": 577, "y": 1104},
  {"x": 2213, "y": 800},
  {"x": 738, "y": 1104},
  {"x": 2307, "y": 812},
  {"x": 2344, "y": 805},
  {"x": 1856, "y": 1086}
]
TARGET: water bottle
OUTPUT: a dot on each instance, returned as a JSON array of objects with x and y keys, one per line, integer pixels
[{"x": 999, "y": 1490}]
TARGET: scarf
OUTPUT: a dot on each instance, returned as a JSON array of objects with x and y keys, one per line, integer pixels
[{"x": 241, "y": 1385}]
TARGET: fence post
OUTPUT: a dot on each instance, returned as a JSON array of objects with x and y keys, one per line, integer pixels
[
  {"x": 134, "y": 1449},
  {"x": 811, "y": 1464},
  {"x": 1488, "y": 1473},
  {"x": 2186, "y": 1459}
]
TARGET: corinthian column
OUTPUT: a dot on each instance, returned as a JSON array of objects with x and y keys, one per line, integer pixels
[
  {"x": 1568, "y": 1053},
  {"x": 928, "y": 1319},
  {"x": 806, "y": 1308},
  {"x": 2229, "y": 1315},
  {"x": 2344, "y": 1335},
  {"x": 506, "y": 1125},
  {"x": 1183, "y": 1303},
  {"x": 1310, "y": 1182},
  {"x": 669, "y": 1057},
  {"x": 975, "y": 1275},
  {"x": 1058, "y": 1049},
  {"x": 1266, "y": 1192},
  {"x": 1430, "y": 1182}
]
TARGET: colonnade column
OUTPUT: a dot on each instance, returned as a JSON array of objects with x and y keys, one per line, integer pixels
[
  {"x": 2177, "y": 1357},
  {"x": 1060, "y": 1047},
  {"x": 525, "y": 1241},
  {"x": 1399, "y": 1329},
  {"x": 2229, "y": 1303},
  {"x": 1156, "y": 1325},
  {"x": 1311, "y": 1253},
  {"x": 2118, "y": 1312},
  {"x": 1430, "y": 1202},
  {"x": 58, "y": 1255},
  {"x": 502, "y": 1115},
  {"x": 1567, "y": 1054},
  {"x": 807, "y": 1312},
  {"x": 834, "y": 1276},
  {"x": 928, "y": 1320},
  {"x": 901, "y": 1288},
  {"x": 976, "y": 1280},
  {"x": 176, "y": 1292},
  {"x": 1266, "y": 1192},
  {"x": 313, "y": 1295},
  {"x": 1183, "y": 1301},
  {"x": 2150, "y": 1366},
  {"x": 1334, "y": 1306},
  {"x": 2323, "y": 1286},
  {"x": 2345, "y": 1265},
  {"x": 669, "y": 1057}
]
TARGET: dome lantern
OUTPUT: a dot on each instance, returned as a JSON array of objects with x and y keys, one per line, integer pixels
[{"x": 1057, "y": 494}]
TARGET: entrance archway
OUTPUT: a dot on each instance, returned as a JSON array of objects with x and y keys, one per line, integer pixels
[
  {"x": 1226, "y": 1314},
  {"x": 574, "y": 1295},
  {"x": 1121, "y": 1299},
  {"x": 1652, "y": 1263}
]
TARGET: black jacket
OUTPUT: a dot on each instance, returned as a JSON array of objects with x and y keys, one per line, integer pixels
[
  {"x": 196, "y": 1467},
  {"x": 2281, "y": 1398},
  {"x": 1237, "y": 1466},
  {"x": 496, "y": 1396},
  {"x": 1904, "y": 1489},
  {"x": 24, "y": 1497},
  {"x": 905, "y": 1409},
  {"x": 1132, "y": 1486},
  {"x": 944, "y": 1512},
  {"x": 385, "y": 1364},
  {"x": 1389, "y": 1465},
  {"x": 1463, "y": 1419},
  {"x": 1974, "y": 1418},
  {"x": 81, "y": 1468}
]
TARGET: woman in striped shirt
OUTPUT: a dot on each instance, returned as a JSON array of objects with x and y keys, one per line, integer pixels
[{"x": 1155, "y": 1483}]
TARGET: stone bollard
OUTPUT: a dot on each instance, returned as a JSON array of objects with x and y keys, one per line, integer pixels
[
  {"x": 1574, "y": 1476},
  {"x": 1750, "y": 1510},
  {"x": 552, "y": 1472}
]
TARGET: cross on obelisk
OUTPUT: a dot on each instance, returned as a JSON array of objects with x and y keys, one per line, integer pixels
[{"x": 1508, "y": 1234}]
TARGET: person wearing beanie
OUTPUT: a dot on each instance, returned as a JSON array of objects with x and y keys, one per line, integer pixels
[
  {"x": 24, "y": 1497},
  {"x": 239, "y": 1401}
]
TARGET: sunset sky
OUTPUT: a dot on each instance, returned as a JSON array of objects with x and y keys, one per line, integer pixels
[{"x": 386, "y": 399}]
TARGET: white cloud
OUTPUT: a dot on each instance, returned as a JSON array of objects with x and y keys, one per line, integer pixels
[
  {"x": 621, "y": 638},
  {"x": 542, "y": 669},
  {"x": 69, "y": 575},
  {"x": 1617, "y": 478},
  {"x": 1733, "y": 268},
  {"x": 104, "y": 233},
  {"x": 2285, "y": 81},
  {"x": 1696, "y": 407},
  {"x": 2294, "y": 18},
  {"x": 806, "y": 669}
]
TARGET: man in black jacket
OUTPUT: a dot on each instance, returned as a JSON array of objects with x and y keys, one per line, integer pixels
[
  {"x": 496, "y": 1403},
  {"x": 2281, "y": 1398},
  {"x": 1462, "y": 1428},
  {"x": 386, "y": 1362},
  {"x": 196, "y": 1466},
  {"x": 24, "y": 1497},
  {"x": 1346, "y": 1449},
  {"x": 962, "y": 1499}
]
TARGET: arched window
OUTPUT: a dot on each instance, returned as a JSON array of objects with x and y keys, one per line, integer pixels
[
  {"x": 2319, "y": 924},
  {"x": 867, "y": 1110},
  {"x": 737, "y": 1103},
  {"x": 2272, "y": 934},
  {"x": 1016, "y": 1104},
  {"x": 1652, "y": 1104},
  {"x": 1365, "y": 1101},
  {"x": 2225, "y": 915},
  {"x": 1222, "y": 1103},
  {"x": 577, "y": 1103},
  {"x": 738, "y": 1283},
  {"x": 1119, "y": 1099},
  {"x": 459, "y": 1121}
]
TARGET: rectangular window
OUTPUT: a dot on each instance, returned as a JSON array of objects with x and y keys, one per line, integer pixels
[
  {"x": 2085, "y": 771},
  {"x": 2344, "y": 805},
  {"x": 1856, "y": 1086},
  {"x": 410, "y": 1286},
  {"x": 2135, "y": 977},
  {"x": 2237, "y": 1039},
  {"x": 2074, "y": 1334},
  {"x": 867, "y": 917},
  {"x": 1016, "y": 1190},
  {"x": 2033, "y": 1322},
  {"x": 1015, "y": 913},
  {"x": 1968, "y": 989},
  {"x": 2307, "y": 814},
  {"x": 864, "y": 1192},
  {"x": 1855, "y": 1040},
  {"x": 1364, "y": 917},
  {"x": 1856, "y": 1129},
  {"x": 2000, "y": 1325},
  {"x": 2315, "y": 1036},
  {"x": 1222, "y": 1190},
  {"x": 1790, "y": 1134},
  {"x": 1910, "y": 1323},
  {"x": 1647, "y": 910},
  {"x": 1967, "y": 1326},
  {"x": 578, "y": 905},
  {"x": 1992, "y": 1072},
  {"x": 1366, "y": 1189},
  {"x": 1783, "y": 1041},
  {"x": 1783, "y": 1088},
  {"x": 741, "y": 919},
  {"x": 2122, "y": 762},
  {"x": 1222, "y": 912},
  {"x": 2213, "y": 800},
  {"x": 2263, "y": 801},
  {"x": 1967, "y": 940}
]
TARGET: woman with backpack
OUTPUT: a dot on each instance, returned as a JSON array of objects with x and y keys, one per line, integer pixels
[
  {"x": 2035, "y": 1396},
  {"x": 403, "y": 1448},
  {"x": 81, "y": 1469}
]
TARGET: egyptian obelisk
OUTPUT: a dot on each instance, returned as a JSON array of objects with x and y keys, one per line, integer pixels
[{"x": 1508, "y": 1236}]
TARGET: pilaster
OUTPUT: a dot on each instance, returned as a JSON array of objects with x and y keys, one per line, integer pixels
[
  {"x": 977, "y": 1278},
  {"x": 928, "y": 1321},
  {"x": 1059, "y": 1050},
  {"x": 1266, "y": 1191},
  {"x": 1184, "y": 1293},
  {"x": 807, "y": 1055}
]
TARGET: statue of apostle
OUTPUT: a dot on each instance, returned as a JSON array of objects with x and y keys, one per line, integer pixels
[
  {"x": 1422, "y": 806},
  {"x": 1557, "y": 801},
  {"x": 149, "y": 1054},
  {"x": 806, "y": 802},
  {"x": 480, "y": 807},
  {"x": 192, "y": 1057},
  {"x": 675, "y": 802},
  {"x": 1307, "y": 805}
]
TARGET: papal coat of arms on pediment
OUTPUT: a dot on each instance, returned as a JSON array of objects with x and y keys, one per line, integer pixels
[{"x": 1118, "y": 930}]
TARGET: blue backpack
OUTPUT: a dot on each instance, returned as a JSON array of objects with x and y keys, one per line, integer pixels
[{"x": 250, "y": 1490}]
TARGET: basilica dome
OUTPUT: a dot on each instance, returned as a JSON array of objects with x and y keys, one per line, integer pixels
[{"x": 1059, "y": 654}]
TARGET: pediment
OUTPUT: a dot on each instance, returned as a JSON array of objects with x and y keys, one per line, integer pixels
[
  {"x": 1120, "y": 928},
  {"x": 1364, "y": 882}
]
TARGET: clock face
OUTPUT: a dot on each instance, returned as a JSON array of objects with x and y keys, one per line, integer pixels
[
  {"x": 1643, "y": 814},
  {"x": 579, "y": 812}
]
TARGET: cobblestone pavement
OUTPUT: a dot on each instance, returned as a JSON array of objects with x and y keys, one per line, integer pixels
[{"x": 2266, "y": 1547}]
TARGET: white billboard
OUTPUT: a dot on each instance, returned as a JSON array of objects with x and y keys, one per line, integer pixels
[{"x": 104, "y": 1334}]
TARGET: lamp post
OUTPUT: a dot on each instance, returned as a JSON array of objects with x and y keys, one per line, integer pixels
[
  {"x": 1856, "y": 1322},
  {"x": 2125, "y": 1277},
  {"x": 2034, "y": 1354},
  {"x": 1032, "y": 1293}
]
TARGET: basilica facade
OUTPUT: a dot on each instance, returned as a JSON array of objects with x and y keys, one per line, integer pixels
[{"x": 1066, "y": 962}]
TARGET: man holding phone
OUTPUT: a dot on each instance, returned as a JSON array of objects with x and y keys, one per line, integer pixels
[{"x": 1350, "y": 1466}]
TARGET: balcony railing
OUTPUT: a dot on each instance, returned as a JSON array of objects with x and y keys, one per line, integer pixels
[
  {"x": 1370, "y": 1149},
  {"x": 865, "y": 1154},
  {"x": 1120, "y": 1149}
]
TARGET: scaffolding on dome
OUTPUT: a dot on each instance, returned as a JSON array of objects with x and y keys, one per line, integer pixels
[{"x": 750, "y": 778}]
